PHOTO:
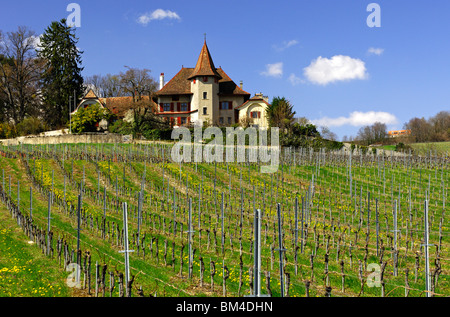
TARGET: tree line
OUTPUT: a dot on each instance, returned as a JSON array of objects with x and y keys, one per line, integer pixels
[
  {"x": 38, "y": 78},
  {"x": 433, "y": 129},
  {"x": 41, "y": 82}
]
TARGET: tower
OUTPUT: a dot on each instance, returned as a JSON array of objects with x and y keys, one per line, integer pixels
[{"x": 205, "y": 87}]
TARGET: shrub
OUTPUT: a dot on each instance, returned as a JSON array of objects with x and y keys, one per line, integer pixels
[
  {"x": 31, "y": 126},
  {"x": 7, "y": 130},
  {"x": 85, "y": 120},
  {"x": 121, "y": 127}
]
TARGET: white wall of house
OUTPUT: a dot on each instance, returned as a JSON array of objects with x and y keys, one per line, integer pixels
[
  {"x": 257, "y": 106},
  {"x": 211, "y": 102}
]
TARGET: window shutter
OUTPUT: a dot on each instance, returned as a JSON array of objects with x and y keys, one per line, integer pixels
[
  {"x": 161, "y": 107},
  {"x": 179, "y": 106},
  {"x": 171, "y": 106},
  {"x": 189, "y": 106},
  {"x": 179, "y": 120},
  {"x": 220, "y": 105},
  {"x": 230, "y": 105},
  {"x": 259, "y": 115}
]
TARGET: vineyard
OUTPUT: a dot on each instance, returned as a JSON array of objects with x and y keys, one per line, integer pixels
[{"x": 350, "y": 224}]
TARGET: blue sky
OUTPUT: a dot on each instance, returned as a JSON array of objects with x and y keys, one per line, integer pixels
[{"x": 321, "y": 54}]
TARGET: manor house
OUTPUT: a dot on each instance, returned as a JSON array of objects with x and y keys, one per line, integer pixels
[
  {"x": 204, "y": 94},
  {"x": 207, "y": 94}
]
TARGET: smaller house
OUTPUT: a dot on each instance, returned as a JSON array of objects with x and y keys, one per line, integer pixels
[
  {"x": 122, "y": 107},
  {"x": 398, "y": 133},
  {"x": 255, "y": 109}
]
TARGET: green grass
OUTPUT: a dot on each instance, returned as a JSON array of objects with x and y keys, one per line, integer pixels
[
  {"x": 441, "y": 148},
  {"x": 24, "y": 270},
  {"x": 388, "y": 147}
]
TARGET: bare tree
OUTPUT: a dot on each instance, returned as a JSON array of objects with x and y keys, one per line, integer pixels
[
  {"x": 326, "y": 133},
  {"x": 111, "y": 86},
  {"x": 137, "y": 83},
  {"x": 441, "y": 126},
  {"x": 372, "y": 134},
  {"x": 421, "y": 129},
  {"x": 20, "y": 72},
  {"x": 107, "y": 86},
  {"x": 379, "y": 131},
  {"x": 95, "y": 82}
]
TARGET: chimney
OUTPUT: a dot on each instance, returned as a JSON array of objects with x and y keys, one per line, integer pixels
[
  {"x": 161, "y": 81},
  {"x": 241, "y": 85}
]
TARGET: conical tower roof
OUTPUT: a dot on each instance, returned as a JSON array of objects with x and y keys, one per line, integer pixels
[{"x": 205, "y": 65}]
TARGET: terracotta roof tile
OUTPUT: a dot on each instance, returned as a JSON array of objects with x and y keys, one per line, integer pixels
[
  {"x": 181, "y": 85},
  {"x": 120, "y": 105},
  {"x": 205, "y": 65},
  {"x": 178, "y": 85},
  {"x": 254, "y": 98}
]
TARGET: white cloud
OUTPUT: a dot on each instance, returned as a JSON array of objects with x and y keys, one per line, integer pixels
[
  {"x": 35, "y": 41},
  {"x": 358, "y": 119},
  {"x": 375, "y": 51},
  {"x": 273, "y": 70},
  {"x": 323, "y": 71},
  {"x": 285, "y": 45},
  {"x": 294, "y": 80},
  {"x": 158, "y": 14}
]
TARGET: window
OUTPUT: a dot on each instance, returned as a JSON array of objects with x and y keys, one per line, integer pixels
[
  {"x": 183, "y": 120},
  {"x": 205, "y": 95},
  {"x": 229, "y": 120},
  {"x": 221, "y": 120},
  {"x": 175, "y": 98},
  {"x": 205, "y": 110},
  {"x": 184, "y": 107},
  {"x": 255, "y": 114},
  {"x": 166, "y": 107},
  {"x": 205, "y": 79},
  {"x": 225, "y": 105}
]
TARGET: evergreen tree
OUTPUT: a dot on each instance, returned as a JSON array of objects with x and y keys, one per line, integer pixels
[
  {"x": 280, "y": 113},
  {"x": 61, "y": 80}
]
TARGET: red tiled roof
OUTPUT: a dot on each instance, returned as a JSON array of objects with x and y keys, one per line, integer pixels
[
  {"x": 120, "y": 105},
  {"x": 181, "y": 85},
  {"x": 254, "y": 98},
  {"x": 205, "y": 65},
  {"x": 178, "y": 85}
]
